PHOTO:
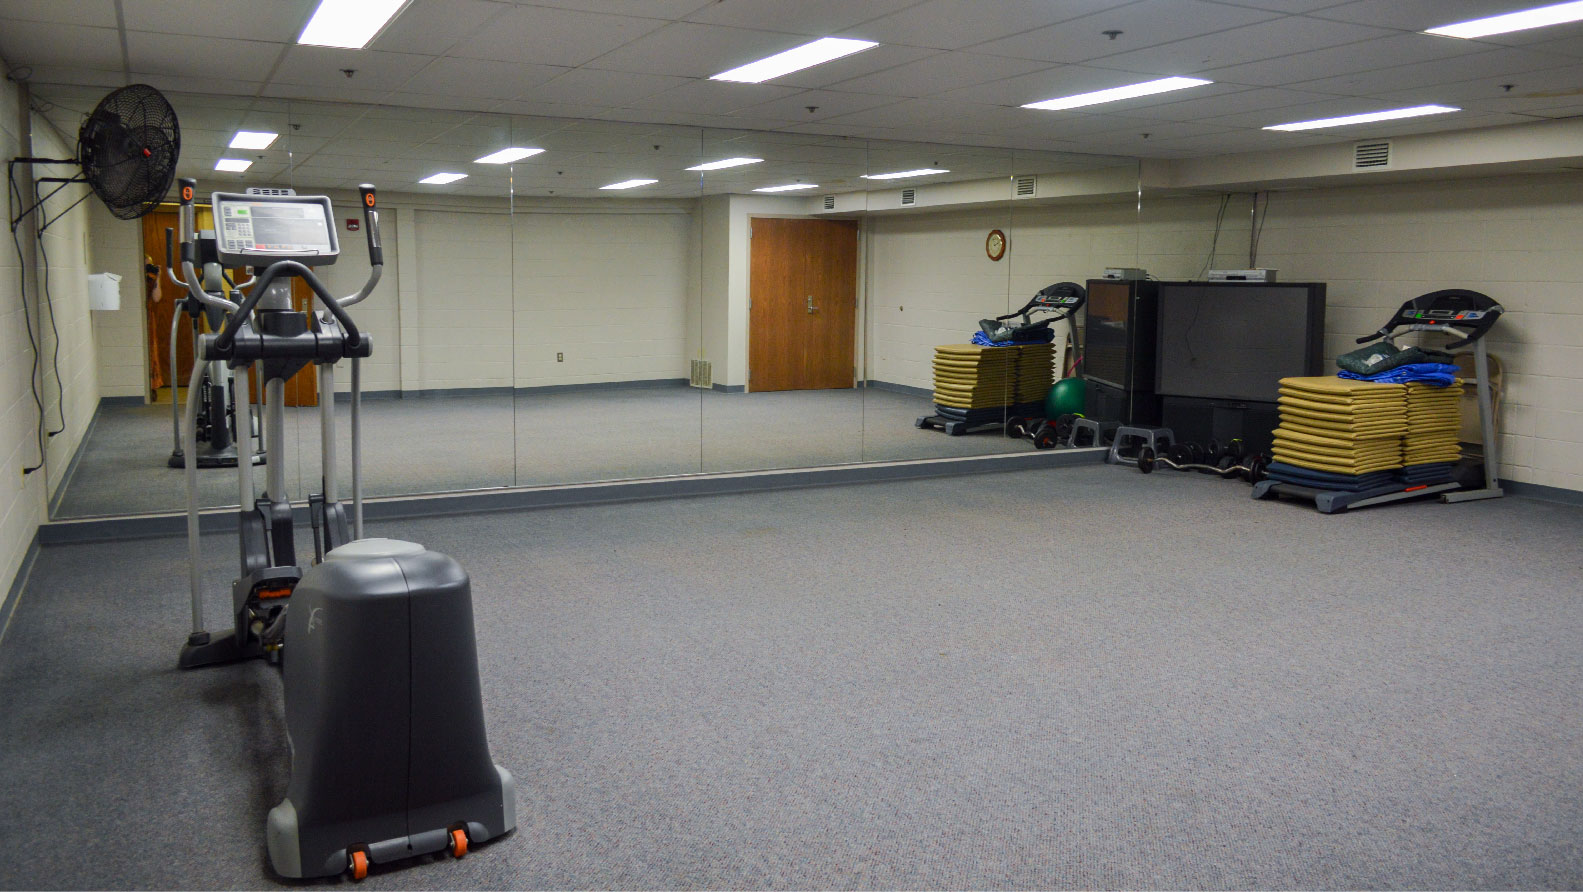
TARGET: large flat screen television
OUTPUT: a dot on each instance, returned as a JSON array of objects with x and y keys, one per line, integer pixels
[{"x": 1235, "y": 340}]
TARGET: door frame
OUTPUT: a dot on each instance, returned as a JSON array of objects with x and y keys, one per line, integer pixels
[{"x": 859, "y": 352}]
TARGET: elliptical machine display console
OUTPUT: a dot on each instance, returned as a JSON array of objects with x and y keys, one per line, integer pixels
[{"x": 375, "y": 637}]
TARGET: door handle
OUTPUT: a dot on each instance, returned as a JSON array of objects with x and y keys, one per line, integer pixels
[{"x": 811, "y": 307}]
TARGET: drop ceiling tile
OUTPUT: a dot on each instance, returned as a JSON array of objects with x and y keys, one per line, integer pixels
[
  {"x": 1329, "y": 107},
  {"x": 1219, "y": 99},
  {"x": 809, "y": 17},
  {"x": 277, "y": 20},
  {"x": 827, "y": 104},
  {"x": 1288, "y": 6},
  {"x": 92, "y": 13},
  {"x": 321, "y": 66},
  {"x": 172, "y": 83},
  {"x": 716, "y": 97},
  {"x": 602, "y": 89},
  {"x": 211, "y": 57},
  {"x": 436, "y": 101},
  {"x": 331, "y": 92},
  {"x": 954, "y": 24},
  {"x": 1046, "y": 83},
  {"x": 685, "y": 49},
  {"x": 939, "y": 73},
  {"x": 1490, "y": 63},
  {"x": 48, "y": 76},
  {"x": 479, "y": 78},
  {"x": 1143, "y": 24},
  {"x": 431, "y": 27},
  {"x": 964, "y": 116},
  {"x": 36, "y": 43},
  {"x": 1301, "y": 68},
  {"x": 546, "y": 36},
  {"x": 856, "y": 65},
  {"x": 1247, "y": 44},
  {"x": 670, "y": 10},
  {"x": 1416, "y": 15}
]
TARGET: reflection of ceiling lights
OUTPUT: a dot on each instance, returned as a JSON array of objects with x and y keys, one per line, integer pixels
[
  {"x": 808, "y": 55},
  {"x": 1116, "y": 94},
  {"x": 441, "y": 179},
  {"x": 1367, "y": 118},
  {"x": 349, "y": 24},
  {"x": 729, "y": 162},
  {"x": 920, "y": 172},
  {"x": 1559, "y": 14},
  {"x": 252, "y": 139},
  {"x": 232, "y": 165},
  {"x": 506, "y": 156},
  {"x": 789, "y": 187},
  {"x": 629, "y": 184}
]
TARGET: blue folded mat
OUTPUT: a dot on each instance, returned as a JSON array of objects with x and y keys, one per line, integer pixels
[
  {"x": 1438, "y": 373},
  {"x": 983, "y": 340},
  {"x": 1312, "y": 479}
]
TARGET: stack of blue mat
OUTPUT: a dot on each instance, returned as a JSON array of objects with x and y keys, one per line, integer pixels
[
  {"x": 995, "y": 415},
  {"x": 1285, "y": 473},
  {"x": 1426, "y": 475}
]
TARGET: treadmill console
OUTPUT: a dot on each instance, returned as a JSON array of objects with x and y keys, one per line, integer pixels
[{"x": 257, "y": 230}]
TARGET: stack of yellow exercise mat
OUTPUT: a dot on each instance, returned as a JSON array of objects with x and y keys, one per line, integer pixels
[
  {"x": 1434, "y": 420},
  {"x": 967, "y": 376},
  {"x": 1340, "y": 426}
]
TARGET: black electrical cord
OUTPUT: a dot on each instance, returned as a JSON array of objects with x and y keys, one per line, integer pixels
[
  {"x": 1220, "y": 219},
  {"x": 1258, "y": 231},
  {"x": 15, "y": 193},
  {"x": 49, "y": 302}
]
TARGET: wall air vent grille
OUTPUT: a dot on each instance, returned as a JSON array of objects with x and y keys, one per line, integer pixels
[
  {"x": 829, "y": 202},
  {"x": 269, "y": 190},
  {"x": 702, "y": 374},
  {"x": 1370, "y": 155},
  {"x": 909, "y": 196},
  {"x": 1026, "y": 185}
]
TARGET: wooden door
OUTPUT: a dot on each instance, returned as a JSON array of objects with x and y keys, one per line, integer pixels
[
  {"x": 159, "y": 300},
  {"x": 802, "y": 290}
]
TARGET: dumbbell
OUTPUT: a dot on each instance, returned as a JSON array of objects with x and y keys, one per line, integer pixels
[{"x": 1251, "y": 468}]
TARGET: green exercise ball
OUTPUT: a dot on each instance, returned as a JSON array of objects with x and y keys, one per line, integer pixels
[{"x": 1065, "y": 398}]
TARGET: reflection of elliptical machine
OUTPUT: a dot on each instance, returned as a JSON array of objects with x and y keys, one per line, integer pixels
[
  {"x": 383, "y": 705},
  {"x": 216, "y": 425}
]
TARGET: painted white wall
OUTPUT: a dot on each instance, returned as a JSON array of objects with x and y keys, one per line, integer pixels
[
  {"x": 116, "y": 246},
  {"x": 610, "y": 292},
  {"x": 74, "y": 395}
]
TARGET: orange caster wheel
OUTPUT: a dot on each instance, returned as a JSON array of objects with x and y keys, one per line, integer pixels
[
  {"x": 359, "y": 864},
  {"x": 458, "y": 842}
]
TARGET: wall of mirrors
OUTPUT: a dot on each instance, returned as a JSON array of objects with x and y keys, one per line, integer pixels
[{"x": 625, "y": 300}]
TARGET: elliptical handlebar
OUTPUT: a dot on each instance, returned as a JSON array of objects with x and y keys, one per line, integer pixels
[{"x": 255, "y": 287}]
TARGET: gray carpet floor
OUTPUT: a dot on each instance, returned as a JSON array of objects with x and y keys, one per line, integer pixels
[
  {"x": 474, "y": 442},
  {"x": 1047, "y": 679}
]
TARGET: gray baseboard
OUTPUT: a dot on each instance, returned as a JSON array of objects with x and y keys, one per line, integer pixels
[
  {"x": 122, "y": 401},
  {"x": 222, "y": 520},
  {"x": 18, "y": 583},
  {"x": 463, "y": 392},
  {"x": 900, "y": 388},
  {"x": 1542, "y": 492},
  {"x": 729, "y": 388}
]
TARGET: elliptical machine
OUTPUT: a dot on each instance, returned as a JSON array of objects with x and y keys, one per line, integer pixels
[
  {"x": 217, "y": 424},
  {"x": 383, "y": 708}
]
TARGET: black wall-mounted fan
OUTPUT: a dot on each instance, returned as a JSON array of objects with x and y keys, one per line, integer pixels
[{"x": 127, "y": 149}]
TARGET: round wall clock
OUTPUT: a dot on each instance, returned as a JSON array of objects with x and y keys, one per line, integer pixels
[{"x": 995, "y": 244}]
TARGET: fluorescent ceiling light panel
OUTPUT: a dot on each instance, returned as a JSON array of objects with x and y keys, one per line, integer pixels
[
  {"x": 729, "y": 162},
  {"x": 1116, "y": 94},
  {"x": 232, "y": 165},
  {"x": 441, "y": 179},
  {"x": 1367, "y": 118},
  {"x": 808, "y": 55},
  {"x": 920, "y": 172},
  {"x": 1559, "y": 14},
  {"x": 789, "y": 187},
  {"x": 350, "y": 24},
  {"x": 506, "y": 156},
  {"x": 629, "y": 184},
  {"x": 252, "y": 139}
]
